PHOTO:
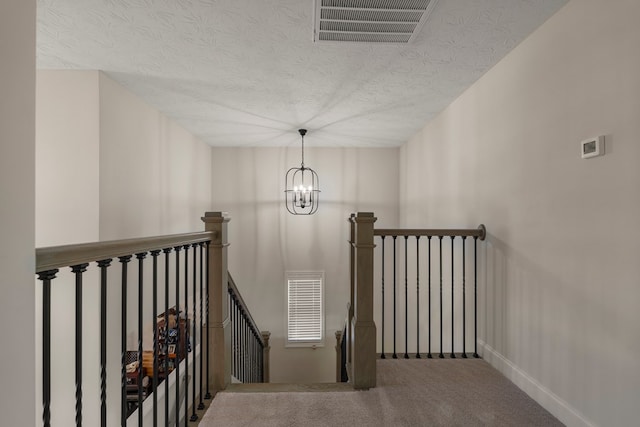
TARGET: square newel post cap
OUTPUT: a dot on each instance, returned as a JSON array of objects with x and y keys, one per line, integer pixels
[
  {"x": 363, "y": 217},
  {"x": 265, "y": 337},
  {"x": 216, "y": 217}
]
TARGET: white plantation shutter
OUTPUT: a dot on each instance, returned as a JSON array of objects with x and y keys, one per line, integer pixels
[{"x": 305, "y": 318}]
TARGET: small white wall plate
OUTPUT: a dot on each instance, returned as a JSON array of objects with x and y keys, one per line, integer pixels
[{"x": 592, "y": 147}]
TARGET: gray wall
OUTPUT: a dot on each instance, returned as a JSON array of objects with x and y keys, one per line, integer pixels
[
  {"x": 560, "y": 314},
  {"x": 17, "y": 198}
]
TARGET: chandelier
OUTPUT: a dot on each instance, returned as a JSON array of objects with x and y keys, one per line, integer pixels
[{"x": 302, "y": 187}]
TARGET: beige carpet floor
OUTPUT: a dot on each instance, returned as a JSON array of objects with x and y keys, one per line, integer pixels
[{"x": 425, "y": 392}]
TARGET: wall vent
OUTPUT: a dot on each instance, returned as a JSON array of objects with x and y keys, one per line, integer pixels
[{"x": 370, "y": 21}]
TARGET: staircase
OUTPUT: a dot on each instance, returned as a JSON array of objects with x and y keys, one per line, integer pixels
[{"x": 416, "y": 392}]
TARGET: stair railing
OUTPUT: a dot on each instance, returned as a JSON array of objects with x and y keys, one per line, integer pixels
[
  {"x": 183, "y": 294},
  {"x": 362, "y": 333},
  {"x": 113, "y": 258},
  {"x": 249, "y": 346},
  {"x": 447, "y": 277}
]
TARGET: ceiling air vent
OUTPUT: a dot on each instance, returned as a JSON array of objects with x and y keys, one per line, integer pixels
[{"x": 371, "y": 21}]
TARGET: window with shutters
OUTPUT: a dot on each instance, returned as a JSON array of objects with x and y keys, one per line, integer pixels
[{"x": 305, "y": 308}]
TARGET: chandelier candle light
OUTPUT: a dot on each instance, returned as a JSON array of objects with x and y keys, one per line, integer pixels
[{"x": 302, "y": 187}]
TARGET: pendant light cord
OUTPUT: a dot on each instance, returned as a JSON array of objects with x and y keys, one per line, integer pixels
[{"x": 302, "y": 134}]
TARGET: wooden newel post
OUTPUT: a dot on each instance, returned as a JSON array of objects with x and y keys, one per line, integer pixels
[
  {"x": 363, "y": 337},
  {"x": 266, "y": 365},
  {"x": 218, "y": 327}
]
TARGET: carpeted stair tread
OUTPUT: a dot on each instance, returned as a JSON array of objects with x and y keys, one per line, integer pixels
[{"x": 284, "y": 388}]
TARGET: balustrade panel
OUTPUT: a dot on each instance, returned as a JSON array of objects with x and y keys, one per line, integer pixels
[
  {"x": 147, "y": 352},
  {"x": 440, "y": 264}
]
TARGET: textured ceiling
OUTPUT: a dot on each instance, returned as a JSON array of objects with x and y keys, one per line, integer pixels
[{"x": 247, "y": 73}]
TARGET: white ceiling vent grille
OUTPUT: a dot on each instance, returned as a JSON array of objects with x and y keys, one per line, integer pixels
[{"x": 373, "y": 21}]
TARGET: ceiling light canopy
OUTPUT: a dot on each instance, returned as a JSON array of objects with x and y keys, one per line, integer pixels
[{"x": 302, "y": 187}]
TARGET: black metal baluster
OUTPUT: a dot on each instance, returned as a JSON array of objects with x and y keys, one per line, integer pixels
[
  {"x": 234, "y": 328},
  {"x": 165, "y": 348},
  {"x": 140, "y": 257},
  {"x": 453, "y": 354},
  {"x": 154, "y": 255},
  {"x": 406, "y": 299},
  {"x": 259, "y": 357},
  {"x": 201, "y": 404},
  {"x": 255, "y": 357},
  {"x": 262, "y": 361},
  {"x": 247, "y": 352},
  {"x": 475, "y": 295},
  {"x": 240, "y": 355},
  {"x": 242, "y": 349},
  {"x": 254, "y": 364},
  {"x": 124, "y": 410},
  {"x": 236, "y": 338},
  {"x": 178, "y": 336},
  {"x": 418, "y": 297},
  {"x": 395, "y": 355},
  {"x": 103, "y": 264},
  {"x": 250, "y": 338},
  {"x": 429, "y": 355},
  {"x": 186, "y": 335},
  {"x": 194, "y": 340},
  {"x": 254, "y": 344},
  {"x": 208, "y": 395},
  {"x": 233, "y": 335},
  {"x": 46, "y": 277},
  {"x": 239, "y": 341},
  {"x": 247, "y": 362},
  {"x": 382, "y": 356},
  {"x": 464, "y": 298},
  {"x": 231, "y": 326},
  {"x": 441, "y": 355},
  {"x": 77, "y": 271}
]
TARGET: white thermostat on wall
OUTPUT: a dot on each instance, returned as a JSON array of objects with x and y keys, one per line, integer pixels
[{"x": 592, "y": 147}]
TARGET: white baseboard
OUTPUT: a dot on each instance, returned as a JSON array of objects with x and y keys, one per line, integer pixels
[{"x": 545, "y": 397}]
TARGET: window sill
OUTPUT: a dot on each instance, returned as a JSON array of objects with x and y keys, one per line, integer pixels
[{"x": 312, "y": 345}]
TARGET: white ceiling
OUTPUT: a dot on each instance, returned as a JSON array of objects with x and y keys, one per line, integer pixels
[{"x": 247, "y": 73}]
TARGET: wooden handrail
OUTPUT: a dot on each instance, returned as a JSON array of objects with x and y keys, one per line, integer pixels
[
  {"x": 243, "y": 306},
  {"x": 53, "y": 257},
  {"x": 480, "y": 232}
]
